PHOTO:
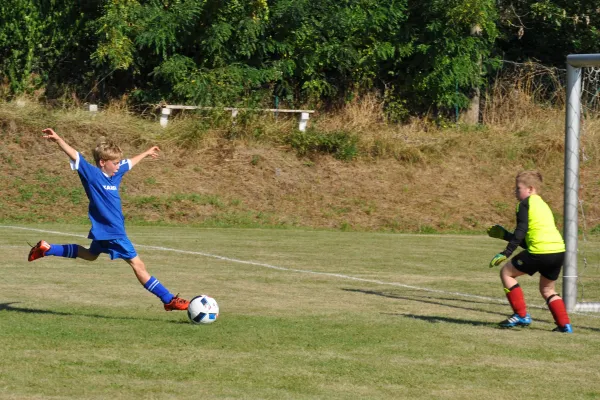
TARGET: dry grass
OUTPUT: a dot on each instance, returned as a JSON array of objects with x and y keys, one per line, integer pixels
[
  {"x": 518, "y": 91},
  {"x": 412, "y": 177}
]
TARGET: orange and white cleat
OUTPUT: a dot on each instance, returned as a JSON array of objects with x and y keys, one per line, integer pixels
[
  {"x": 38, "y": 251},
  {"x": 177, "y": 303}
]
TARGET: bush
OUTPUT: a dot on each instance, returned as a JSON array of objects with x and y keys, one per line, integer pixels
[{"x": 342, "y": 145}]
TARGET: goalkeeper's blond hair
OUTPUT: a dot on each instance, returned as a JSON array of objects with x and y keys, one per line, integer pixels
[{"x": 531, "y": 179}]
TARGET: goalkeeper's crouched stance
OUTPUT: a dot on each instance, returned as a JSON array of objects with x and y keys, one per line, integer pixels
[{"x": 544, "y": 253}]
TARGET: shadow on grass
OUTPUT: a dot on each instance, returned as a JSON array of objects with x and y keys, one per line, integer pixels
[
  {"x": 435, "y": 301},
  {"x": 438, "y": 301},
  {"x": 11, "y": 308},
  {"x": 436, "y": 319}
]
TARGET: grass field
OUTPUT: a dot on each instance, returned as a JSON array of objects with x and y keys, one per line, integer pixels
[{"x": 304, "y": 314}]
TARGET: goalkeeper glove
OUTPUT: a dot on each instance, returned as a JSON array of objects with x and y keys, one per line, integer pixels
[
  {"x": 497, "y": 260},
  {"x": 497, "y": 232}
]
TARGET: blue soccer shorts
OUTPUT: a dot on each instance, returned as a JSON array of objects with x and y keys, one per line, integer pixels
[{"x": 116, "y": 248}]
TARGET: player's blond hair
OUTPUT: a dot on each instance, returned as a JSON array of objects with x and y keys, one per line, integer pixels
[
  {"x": 530, "y": 179},
  {"x": 106, "y": 150}
]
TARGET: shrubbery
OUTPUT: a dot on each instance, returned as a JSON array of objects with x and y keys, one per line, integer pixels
[{"x": 342, "y": 145}]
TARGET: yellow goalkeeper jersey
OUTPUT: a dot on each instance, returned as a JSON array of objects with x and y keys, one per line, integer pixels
[{"x": 536, "y": 230}]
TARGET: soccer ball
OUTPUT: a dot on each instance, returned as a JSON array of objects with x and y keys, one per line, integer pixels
[{"x": 203, "y": 309}]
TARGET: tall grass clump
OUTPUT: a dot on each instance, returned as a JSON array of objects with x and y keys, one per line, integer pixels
[
  {"x": 522, "y": 93},
  {"x": 341, "y": 144},
  {"x": 25, "y": 117},
  {"x": 365, "y": 117}
]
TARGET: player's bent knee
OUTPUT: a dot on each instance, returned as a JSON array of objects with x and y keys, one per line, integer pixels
[
  {"x": 505, "y": 271},
  {"x": 138, "y": 265},
  {"x": 548, "y": 293},
  {"x": 85, "y": 254}
]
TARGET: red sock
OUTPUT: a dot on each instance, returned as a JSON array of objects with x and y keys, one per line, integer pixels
[
  {"x": 516, "y": 300},
  {"x": 559, "y": 312}
]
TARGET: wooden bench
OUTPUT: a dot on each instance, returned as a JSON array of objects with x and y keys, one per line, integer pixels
[{"x": 304, "y": 114}]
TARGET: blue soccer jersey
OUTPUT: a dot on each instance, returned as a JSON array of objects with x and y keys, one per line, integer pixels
[{"x": 102, "y": 191}]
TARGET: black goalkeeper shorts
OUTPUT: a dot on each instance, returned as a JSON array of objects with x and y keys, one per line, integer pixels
[{"x": 548, "y": 265}]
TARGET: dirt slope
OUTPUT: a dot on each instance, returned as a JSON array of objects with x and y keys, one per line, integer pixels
[{"x": 463, "y": 185}]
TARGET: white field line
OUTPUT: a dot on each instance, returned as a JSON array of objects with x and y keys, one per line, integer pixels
[{"x": 302, "y": 271}]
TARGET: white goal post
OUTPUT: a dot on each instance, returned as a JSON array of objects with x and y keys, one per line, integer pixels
[{"x": 575, "y": 63}]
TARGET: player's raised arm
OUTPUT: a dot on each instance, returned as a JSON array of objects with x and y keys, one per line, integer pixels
[
  {"x": 53, "y": 136},
  {"x": 152, "y": 152}
]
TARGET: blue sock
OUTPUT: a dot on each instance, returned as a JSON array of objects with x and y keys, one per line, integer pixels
[
  {"x": 63, "y": 250},
  {"x": 157, "y": 289}
]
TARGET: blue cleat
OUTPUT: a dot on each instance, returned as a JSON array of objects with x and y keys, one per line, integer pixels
[
  {"x": 564, "y": 329},
  {"x": 516, "y": 320}
]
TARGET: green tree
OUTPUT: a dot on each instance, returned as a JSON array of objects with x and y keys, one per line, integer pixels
[
  {"x": 445, "y": 64},
  {"x": 20, "y": 36},
  {"x": 243, "y": 52},
  {"x": 547, "y": 31},
  {"x": 42, "y": 41}
]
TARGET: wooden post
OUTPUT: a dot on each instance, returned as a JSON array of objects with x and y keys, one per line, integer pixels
[
  {"x": 303, "y": 121},
  {"x": 164, "y": 116}
]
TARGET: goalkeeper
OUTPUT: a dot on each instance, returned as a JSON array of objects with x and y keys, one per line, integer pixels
[{"x": 544, "y": 253}]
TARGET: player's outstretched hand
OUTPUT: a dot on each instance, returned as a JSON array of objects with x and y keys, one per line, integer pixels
[
  {"x": 497, "y": 232},
  {"x": 49, "y": 134},
  {"x": 153, "y": 151},
  {"x": 497, "y": 260}
]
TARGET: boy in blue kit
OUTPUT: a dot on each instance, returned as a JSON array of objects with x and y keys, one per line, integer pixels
[{"x": 101, "y": 184}]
